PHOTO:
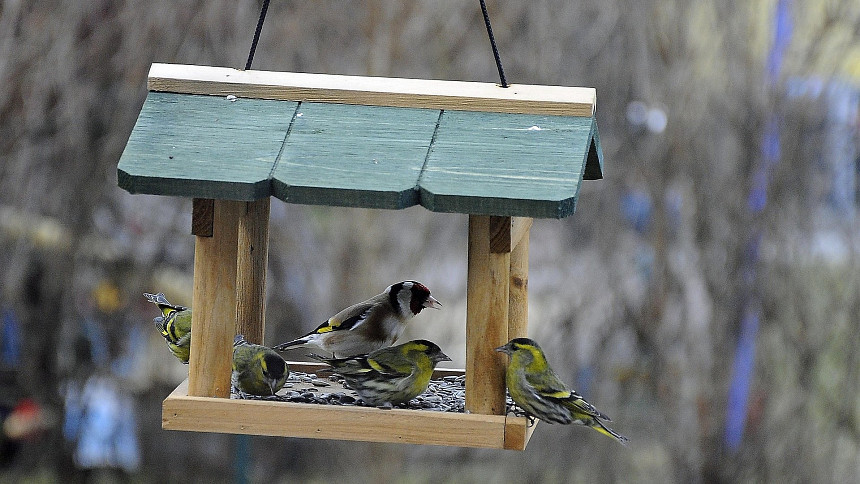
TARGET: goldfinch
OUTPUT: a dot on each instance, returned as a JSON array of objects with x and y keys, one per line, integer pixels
[
  {"x": 389, "y": 376},
  {"x": 369, "y": 325},
  {"x": 174, "y": 324},
  {"x": 257, "y": 369},
  {"x": 535, "y": 387}
]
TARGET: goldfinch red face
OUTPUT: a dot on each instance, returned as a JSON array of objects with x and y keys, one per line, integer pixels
[
  {"x": 408, "y": 298},
  {"x": 370, "y": 325}
]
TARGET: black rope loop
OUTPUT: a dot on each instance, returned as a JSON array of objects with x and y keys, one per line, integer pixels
[
  {"x": 504, "y": 81},
  {"x": 493, "y": 44},
  {"x": 257, "y": 34}
]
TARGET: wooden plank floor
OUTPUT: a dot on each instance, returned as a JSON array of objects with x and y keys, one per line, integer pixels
[{"x": 284, "y": 419}]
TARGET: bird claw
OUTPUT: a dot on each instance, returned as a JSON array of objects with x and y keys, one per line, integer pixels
[{"x": 386, "y": 406}]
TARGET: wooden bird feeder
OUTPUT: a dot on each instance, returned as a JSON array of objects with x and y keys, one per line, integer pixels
[{"x": 501, "y": 155}]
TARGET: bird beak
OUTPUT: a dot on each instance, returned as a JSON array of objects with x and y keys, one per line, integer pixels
[
  {"x": 432, "y": 303},
  {"x": 444, "y": 357},
  {"x": 272, "y": 386},
  {"x": 504, "y": 349}
]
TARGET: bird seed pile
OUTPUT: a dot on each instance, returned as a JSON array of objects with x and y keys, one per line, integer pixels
[{"x": 444, "y": 395}]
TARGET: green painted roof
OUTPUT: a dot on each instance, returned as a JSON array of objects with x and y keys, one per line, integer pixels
[{"x": 333, "y": 154}]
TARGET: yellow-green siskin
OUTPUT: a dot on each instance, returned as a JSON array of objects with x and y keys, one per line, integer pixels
[
  {"x": 174, "y": 324},
  {"x": 257, "y": 369},
  {"x": 389, "y": 376},
  {"x": 535, "y": 387}
]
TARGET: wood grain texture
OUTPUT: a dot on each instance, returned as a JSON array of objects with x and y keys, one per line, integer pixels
[
  {"x": 259, "y": 417},
  {"x": 518, "y": 433},
  {"x": 354, "y": 156},
  {"x": 376, "y": 91},
  {"x": 202, "y": 211},
  {"x": 477, "y": 308},
  {"x": 506, "y": 232},
  {"x": 500, "y": 234},
  {"x": 204, "y": 147},
  {"x": 486, "y": 321},
  {"x": 496, "y": 164},
  {"x": 495, "y": 332},
  {"x": 252, "y": 260},
  {"x": 518, "y": 307},
  {"x": 520, "y": 227},
  {"x": 213, "y": 322}
]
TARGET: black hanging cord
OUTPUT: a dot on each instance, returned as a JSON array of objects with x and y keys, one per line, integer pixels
[
  {"x": 493, "y": 44},
  {"x": 257, "y": 34},
  {"x": 502, "y": 78}
]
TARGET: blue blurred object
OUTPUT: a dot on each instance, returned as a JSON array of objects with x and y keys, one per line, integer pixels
[
  {"x": 770, "y": 151},
  {"x": 742, "y": 371},
  {"x": 674, "y": 203},
  {"x": 99, "y": 351},
  {"x": 242, "y": 459},
  {"x": 129, "y": 360},
  {"x": 839, "y": 153},
  {"x": 101, "y": 421},
  {"x": 636, "y": 208},
  {"x": 584, "y": 378},
  {"x": 783, "y": 27},
  {"x": 744, "y": 362},
  {"x": 10, "y": 351}
]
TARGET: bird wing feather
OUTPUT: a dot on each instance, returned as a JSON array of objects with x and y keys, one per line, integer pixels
[
  {"x": 346, "y": 320},
  {"x": 352, "y": 366},
  {"x": 547, "y": 384},
  {"x": 391, "y": 363},
  {"x": 575, "y": 402},
  {"x": 550, "y": 387}
]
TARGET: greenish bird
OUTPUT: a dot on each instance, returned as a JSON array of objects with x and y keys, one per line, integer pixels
[
  {"x": 174, "y": 324},
  {"x": 389, "y": 376},
  {"x": 535, "y": 387},
  {"x": 257, "y": 369}
]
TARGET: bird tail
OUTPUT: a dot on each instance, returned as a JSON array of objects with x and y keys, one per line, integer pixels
[
  {"x": 162, "y": 303},
  {"x": 291, "y": 344},
  {"x": 318, "y": 357},
  {"x": 603, "y": 429},
  {"x": 156, "y": 298},
  {"x": 331, "y": 362}
]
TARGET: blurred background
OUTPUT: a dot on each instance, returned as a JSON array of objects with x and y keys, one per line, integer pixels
[{"x": 705, "y": 294}]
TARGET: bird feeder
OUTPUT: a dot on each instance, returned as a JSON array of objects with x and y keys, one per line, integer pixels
[{"x": 233, "y": 139}]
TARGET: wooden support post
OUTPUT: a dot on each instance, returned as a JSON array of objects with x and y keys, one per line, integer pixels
[
  {"x": 213, "y": 322},
  {"x": 253, "y": 256},
  {"x": 518, "y": 310},
  {"x": 487, "y": 304},
  {"x": 202, "y": 211}
]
